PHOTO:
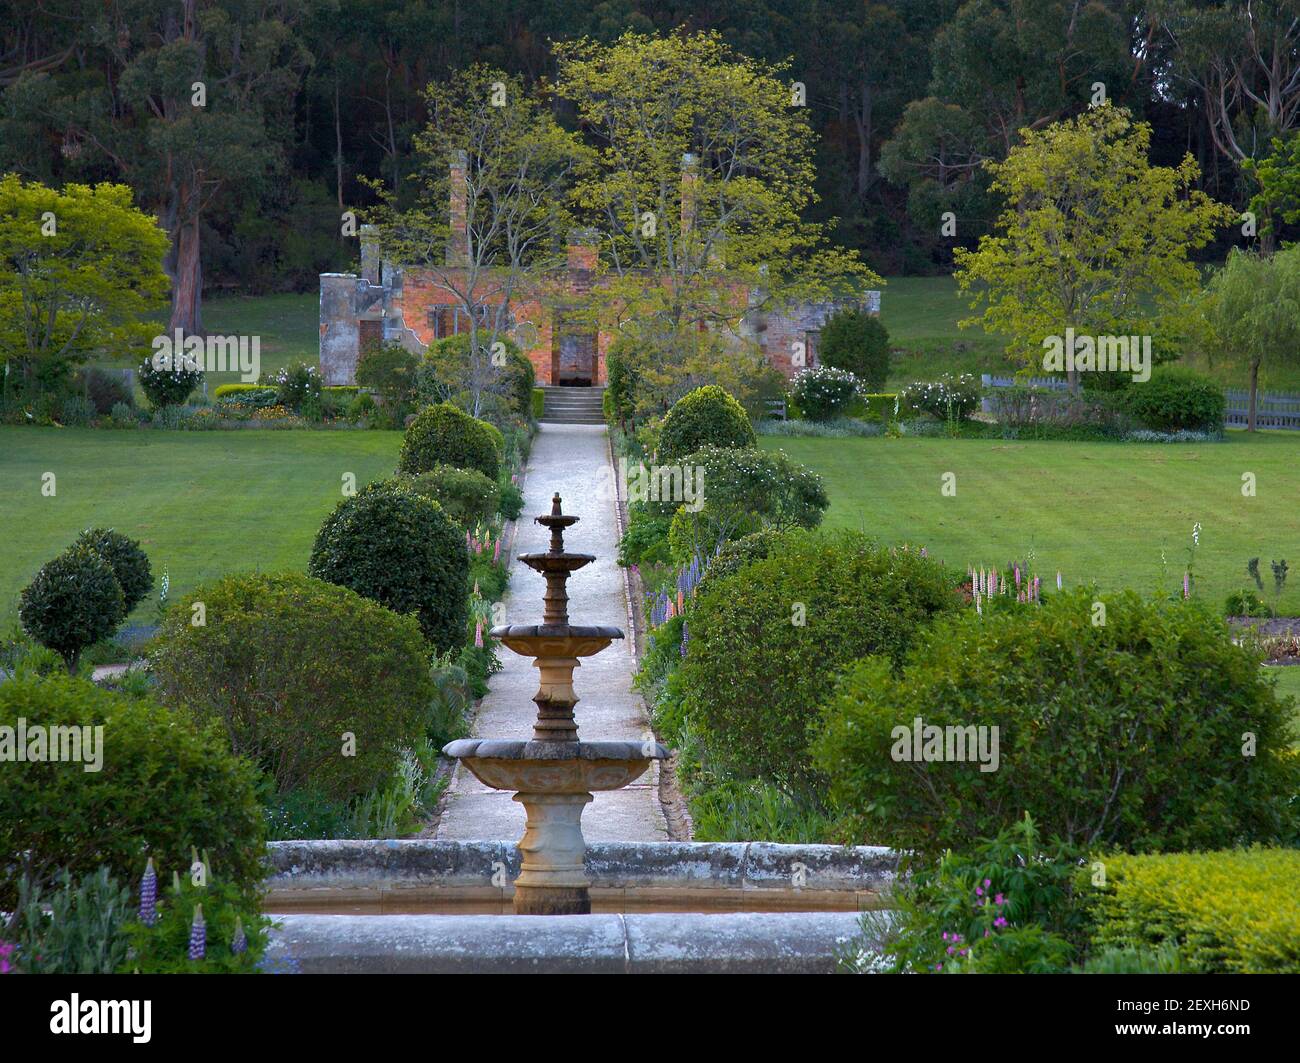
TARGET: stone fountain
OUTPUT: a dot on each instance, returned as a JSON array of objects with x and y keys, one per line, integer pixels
[{"x": 553, "y": 773}]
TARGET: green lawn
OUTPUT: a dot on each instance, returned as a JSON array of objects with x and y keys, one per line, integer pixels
[
  {"x": 1098, "y": 512},
  {"x": 202, "y": 503}
]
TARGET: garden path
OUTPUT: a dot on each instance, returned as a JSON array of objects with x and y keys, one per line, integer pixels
[{"x": 573, "y": 460}]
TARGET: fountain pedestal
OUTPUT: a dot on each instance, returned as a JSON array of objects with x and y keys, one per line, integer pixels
[{"x": 554, "y": 775}]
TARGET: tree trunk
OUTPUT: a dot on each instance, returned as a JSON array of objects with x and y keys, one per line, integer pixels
[
  {"x": 1254, "y": 392},
  {"x": 187, "y": 281},
  {"x": 338, "y": 143}
]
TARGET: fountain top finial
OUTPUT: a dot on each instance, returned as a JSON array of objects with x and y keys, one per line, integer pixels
[{"x": 555, "y": 505}]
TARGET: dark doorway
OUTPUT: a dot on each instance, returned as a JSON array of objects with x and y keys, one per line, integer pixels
[{"x": 573, "y": 360}]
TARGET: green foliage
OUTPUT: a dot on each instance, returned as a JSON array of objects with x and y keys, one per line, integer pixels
[
  {"x": 296, "y": 385},
  {"x": 538, "y": 403},
  {"x": 388, "y": 369},
  {"x": 948, "y": 398},
  {"x": 1177, "y": 399},
  {"x": 646, "y": 539},
  {"x": 880, "y": 407},
  {"x": 735, "y": 554},
  {"x": 1226, "y": 912},
  {"x": 105, "y": 390},
  {"x": 858, "y": 343},
  {"x": 512, "y": 498},
  {"x": 80, "y": 927},
  {"x": 129, "y": 563},
  {"x": 766, "y": 642},
  {"x": 165, "y": 785},
  {"x": 1125, "y": 734},
  {"x": 164, "y": 947},
  {"x": 1246, "y": 603},
  {"x": 465, "y": 495},
  {"x": 824, "y": 393},
  {"x": 288, "y": 665},
  {"x": 401, "y": 550},
  {"x": 619, "y": 400},
  {"x": 168, "y": 383},
  {"x": 447, "y": 435},
  {"x": 76, "y": 412},
  {"x": 707, "y": 416},
  {"x": 74, "y": 601}
]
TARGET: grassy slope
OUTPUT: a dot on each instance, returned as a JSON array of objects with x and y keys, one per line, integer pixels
[
  {"x": 202, "y": 503},
  {"x": 1095, "y": 511}
]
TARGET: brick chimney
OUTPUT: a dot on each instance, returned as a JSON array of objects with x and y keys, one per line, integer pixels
[
  {"x": 690, "y": 179},
  {"x": 458, "y": 241},
  {"x": 583, "y": 256}
]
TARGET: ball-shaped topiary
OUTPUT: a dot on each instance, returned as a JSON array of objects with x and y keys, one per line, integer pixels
[
  {"x": 401, "y": 550},
  {"x": 169, "y": 382},
  {"x": 446, "y": 435},
  {"x": 1123, "y": 735},
  {"x": 707, "y": 416},
  {"x": 164, "y": 784},
  {"x": 1175, "y": 399},
  {"x": 129, "y": 563},
  {"x": 74, "y": 601},
  {"x": 466, "y": 495},
  {"x": 767, "y": 642},
  {"x": 858, "y": 343},
  {"x": 290, "y": 666}
]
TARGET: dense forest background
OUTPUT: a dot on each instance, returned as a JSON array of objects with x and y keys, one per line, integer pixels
[{"x": 305, "y": 98}]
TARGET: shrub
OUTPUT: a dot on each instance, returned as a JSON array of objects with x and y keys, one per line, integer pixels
[
  {"x": 707, "y": 416},
  {"x": 538, "y": 403},
  {"x": 360, "y": 407},
  {"x": 165, "y": 785},
  {"x": 447, "y": 435},
  {"x": 401, "y": 550},
  {"x": 1228, "y": 912},
  {"x": 1127, "y": 734},
  {"x": 512, "y": 498},
  {"x": 1246, "y": 603},
  {"x": 164, "y": 948},
  {"x": 619, "y": 400},
  {"x": 824, "y": 392},
  {"x": 736, "y": 554},
  {"x": 949, "y": 397},
  {"x": 105, "y": 389},
  {"x": 74, "y": 601},
  {"x": 388, "y": 369},
  {"x": 123, "y": 415},
  {"x": 755, "y": 674},
  {"x": 295, "y": 384},
  {"x": 1032, "y": 409},
  {"x": 289, "y": 665},
  {"x": 858, "y": 343},
  {"x": 880, "y": 407},
  {"x": 76, "y": 411},
  {"x": 170, "y": 383},
  {"x": 1176, "y": 398},
  {"x": 466, "y": 495},
  {"x": 77, "y": 928},
  {"x": 646, "y": 538},
  {"x": 129, "y": 563}
]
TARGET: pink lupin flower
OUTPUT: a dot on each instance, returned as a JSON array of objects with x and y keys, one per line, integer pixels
[
  {"x": 1187, "y": 585},
  {"x": 478, "y": 634},
  {"x": 1017, "y": 577},
  {"x": 496, "y": 552}
]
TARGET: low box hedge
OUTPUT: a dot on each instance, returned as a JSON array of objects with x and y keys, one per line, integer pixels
[
  {"x": 1228, "y": 912},
  {"x": 539, "y": 403}
]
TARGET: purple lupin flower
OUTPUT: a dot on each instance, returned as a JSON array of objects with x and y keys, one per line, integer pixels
[
  {"x": 686, "y": 637},
  {"x": 239, "y": 943},
  {"x": 1058, "y": 579},
  {"x": 198, "y": 934},
  {"x": 149, "y": 895},
  {"x": 1187, "y": 585}
]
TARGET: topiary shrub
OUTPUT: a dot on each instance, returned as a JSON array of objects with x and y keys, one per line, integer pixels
[
  {"x": 466, "y": 495},
  {"x": 129, "y": 563},
  {"x": 858, "y": 343},
  {"x": 290, "y": 666},
  {"x": 401, "y": 550},
  {"x": 767, "y": 641},
  {"x": 823, "y": 393},
  {"x": 1175, "y": 399},
  {"x": 164, "y": 785},
  {"x": 74, "y": 601},
  {"x": 1127, "y": 734},
  {"x": 447, "y": 435},
  {"x": 707, "y": 416},
  {"x": 170, "y": 382}
]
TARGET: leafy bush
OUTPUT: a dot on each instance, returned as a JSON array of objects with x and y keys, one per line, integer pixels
[
  {"x": 74, "y": 601},
  {"x": 824, "y": 392},
  {"x": 1227, "y": 912},
  {"x": 948, "y": 398},
  {"x": 1246, "y": 603},
  {"x": 360, "y": 407},
  {"x": 295, "y": 385},
  {"x": 466, "y": 495},
  {"x": 736, "y": 554},
  {"x": 512, "y": 498},
  {"x": 858, "y": 343},
  {"x": 76, "y": 411},
  {"x": 1034, "y": 408},
  {"x": 646, "y": 538},
  {"x": 707, "y": 416},
  {"x": 619, "y": 399},
  {"x": 105, "y": 389},
  {"x": 401, "y": 550},
  {"x": 164, "y": 785},
  {"x": 447, "y": 435},
  {"x": 881, "y": 406},
  {"x": 1126, "y": 734},
  {"x": 78, "y": 928},
  {"x": 766, "y": 642},
  {"x": 1176, "y": 398},
  {"x": 129, "y": 563},
  {"x": 289, "y": 666},
  {"x": 123, "y": 415},
  {"x": 170, "y": 383},
  {"x": 388, "y": 369}
]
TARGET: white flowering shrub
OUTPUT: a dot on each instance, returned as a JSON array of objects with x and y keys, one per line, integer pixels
[
  {"x": 948, "y": 398},
  {"x": 823, "y": 392}
]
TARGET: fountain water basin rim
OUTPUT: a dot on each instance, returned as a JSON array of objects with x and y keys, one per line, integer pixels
[{"x": 555, "y": 767}]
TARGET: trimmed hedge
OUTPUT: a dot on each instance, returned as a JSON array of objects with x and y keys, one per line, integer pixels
[
  {"x": 289, "y": 666},
  {"x": 399, "y": 549},
  {"x": 1127, "y": 734},
  {"x": 880, "y": 406},
  {"x": 857, "y": 342},
  {"x": 165, "y": 785},
  {"x": 446, "y": 435},
  {"x": 129, "y": 563},
  {"x": 767, "y": 641},
  {"x": 707, "y": 416},
  {"x": 466, "y": 495},
  {"x": 1176, "y": 399},
  {"x": 74, "y": 602},
  {"x": 1228, "y": 912},
  {"x": 539, "y": 403}
]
